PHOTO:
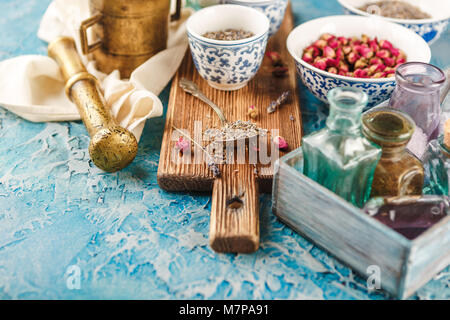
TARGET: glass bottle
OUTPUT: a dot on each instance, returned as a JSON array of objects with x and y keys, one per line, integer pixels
[
  {"x": 418, "y": 94},
  {"x": 410, "y": 216},
  {"x": 339, "y": 157},
  {"x": 399, "y": 172},
  {"x": 437, "y": 164}
]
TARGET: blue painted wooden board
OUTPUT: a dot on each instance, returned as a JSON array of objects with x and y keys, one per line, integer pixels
[{"x": 128, "y": 238}]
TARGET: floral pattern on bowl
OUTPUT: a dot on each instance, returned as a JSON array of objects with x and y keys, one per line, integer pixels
[
  {"x": 227, "y": 67},
  {"x": 273, "y": 9},
  {"x": 319, "y": 85}
]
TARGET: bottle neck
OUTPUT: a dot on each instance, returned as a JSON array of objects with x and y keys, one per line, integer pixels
[
  {"x": 344, "y": 122},
  {"x": 392, "y": 152}
]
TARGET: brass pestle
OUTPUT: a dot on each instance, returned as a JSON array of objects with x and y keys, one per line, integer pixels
[{"x": 112, "y": 147}]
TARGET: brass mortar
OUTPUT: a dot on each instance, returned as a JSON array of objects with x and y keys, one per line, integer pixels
[{"x": 127, "y": 32}]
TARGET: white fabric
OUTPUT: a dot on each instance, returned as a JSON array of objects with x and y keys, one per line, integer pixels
[{"x": 32, "y": 87}]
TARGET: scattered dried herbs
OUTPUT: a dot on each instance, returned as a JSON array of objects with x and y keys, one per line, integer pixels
[
  {"x": 274, "y": 105},
  {"x": 236, "y": 130}
]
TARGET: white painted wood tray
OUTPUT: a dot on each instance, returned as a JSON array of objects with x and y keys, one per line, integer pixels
[{"x": 352, "y": 236}]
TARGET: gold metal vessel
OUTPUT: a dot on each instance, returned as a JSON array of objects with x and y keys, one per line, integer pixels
[
  {"x": 126, "y": 33},
  {"x": 112, "y": 147}
]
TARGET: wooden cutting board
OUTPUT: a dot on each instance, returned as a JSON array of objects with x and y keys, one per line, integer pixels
[{"x": 232, "y": 229}]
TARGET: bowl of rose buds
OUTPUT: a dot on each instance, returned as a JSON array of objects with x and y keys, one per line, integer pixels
[{"x": 353, "y": 51}]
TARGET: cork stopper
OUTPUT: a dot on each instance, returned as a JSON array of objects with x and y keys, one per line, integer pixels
[{"x": 447, "y": 134}]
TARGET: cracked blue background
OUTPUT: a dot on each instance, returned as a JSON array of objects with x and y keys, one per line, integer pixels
[{"x": 130, "y": 239}]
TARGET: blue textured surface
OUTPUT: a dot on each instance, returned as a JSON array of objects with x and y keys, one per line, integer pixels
[{"x": 129, "y": 238}]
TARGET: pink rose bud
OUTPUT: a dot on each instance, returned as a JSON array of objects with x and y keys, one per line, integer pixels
[
  {"x": 280, "y": 143},
  {"x": 400, "y": 60},
  {"x": 182, "y": 145},
  {"x": 395, "y": 52},
  {"x": 384, "y": 44},
  {"x": 352, "y": 57},
  {"x": 342, "y": 73},
  {"x": 327, "y": 37},
  {"x": 401, "y": 55},
  {"x": 391, "y": 75},
  {"x": 390, "y": 62},
  {"x": 307, "y": 57},
  {"x": 350, "y": 74},
  {"x": 274, "y": 56},
  {"x": 321, "y": 63},
  {"x": 347, "y": 49},
  {"x": 329, "y": 52},
  {"x": 313, "y": 51},
  {"x": 361, "y": 63},
  {"x": 343, "y": 41},
  {"x": 360, "y": 73},
  {"x": 373, "y": 45},
  {"x": 320, "y": 44},
  {"x": 365, "y": 38},
  {"x": 383, "y": 54},
  {"x": 378, "y": 75},
  {"x": 374, "y": 68},
  {"x": 333, "y": 70},
  {"x": 389, "y": 70},
  {"x": 339, "y": 54},
  {"x": 332, "y": 62},
  {"x": 343, "y": 66},
  {"x": 333, "y": 43},
  {"x": 376, "y": 61}
]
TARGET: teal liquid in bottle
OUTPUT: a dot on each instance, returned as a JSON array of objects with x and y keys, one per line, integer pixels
[{"x": 339, "y": 157}]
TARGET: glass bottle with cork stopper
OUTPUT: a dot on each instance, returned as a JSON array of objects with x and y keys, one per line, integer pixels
[
  {"x": 339, "y": 157},
  {"x": 399, "y": 172},
  {"x": 437, "y": 164}
]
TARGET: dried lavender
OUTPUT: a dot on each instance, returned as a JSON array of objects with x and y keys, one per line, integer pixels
[
  {"x": 277, "y": 103},
  {"x": 229, "y": 34},
  {"x": 212, "y": 165},
  {"x": 236, "y": 130}
]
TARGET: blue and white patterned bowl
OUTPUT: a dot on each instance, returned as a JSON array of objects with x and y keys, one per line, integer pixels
[
  {"x": 429, "y": 29},
  {"x": 273, "y": 9},
  {"x": 319, "y": 82},
  {"x": 227, "y": 65}
]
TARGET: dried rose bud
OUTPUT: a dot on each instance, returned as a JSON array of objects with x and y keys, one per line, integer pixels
[
  {"x": 389, "y": 62},
  {"x": 307, "y": 57},
  {"x": 389, "y": 70},
  {"x": 343, "y": 66},
  {"x": 333, "y": 70},
  {"x": 253, "y": 112},
  {"x": 365, "y": 38},
  {"x": 182, "y": 145},
  {"x": 339, "y": 53},
  {"x": 378, "y": 75},
  {"x": 342, "y": 73},
  {"x": 321, "y": 63},
  {"x": 376, "y": 60},
  {"x": 375, "y": 68},
  {"x": 395, "y": 52},
  {"x": 279, "y": 71},
  {"x": 333, "y": 43},
  {"x": 373, "y": 45},
  {"x": 343, "y": 41},
  {"x": 274, "y": 57},
  {"x": 360, "y": 73},
  {"x": 313, "y": 51},
  {"x": 347, "y": 49},
  {"x": 320, "y": 43},
  {"x": 329, "y": 52},
  {"x": 401, "y": 54},
  {"x": 400, "y": 60},
  {"x": 355, "y": 41},
  {"x": 332, "y": 62},
  {"x": 383, "y": 54},
  {"x": 327, "y": 37},
  {"x": 352, "y": 57},
  {"x": 390, "y": 75},
  {"x": 384, "y": 44},
  {"x": 280, "y": 143},
  {"x": 361, "y": 63}
]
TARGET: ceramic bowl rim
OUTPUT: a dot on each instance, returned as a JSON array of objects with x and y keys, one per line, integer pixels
[
  {"x": 290, "y": 41},
  {"x": 257, "y": 2},
  {"x": 228, "y": 42},
  {"x": 401, "y": 21}
]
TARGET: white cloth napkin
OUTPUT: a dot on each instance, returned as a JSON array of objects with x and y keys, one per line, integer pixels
[{"x": 32, "y": 87}]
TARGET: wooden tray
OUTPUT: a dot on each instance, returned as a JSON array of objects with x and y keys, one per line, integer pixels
[{"x": 228, "y": 228}]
